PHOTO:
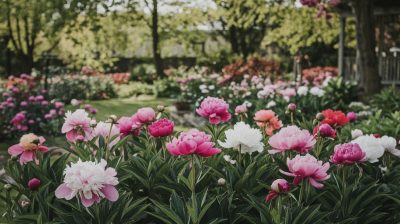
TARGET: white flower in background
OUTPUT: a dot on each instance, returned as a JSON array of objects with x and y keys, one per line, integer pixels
[
  {"x": 389, "y": 144},
  {"x": 202, "y": 87},
  {"x": 75, "y": 102},
  {"x": 262, "y": 94},
  {"x": 244, "y": 137},
  {"x": 371, "y": 146},
  {"x": 205, "y": 91},
  {"x": 364, "y": 113},
  {"x": 271, "y": 104},
  {"x": 356, "y": 133},
  {"x": 221, "y": 181},
  {"x": 317, "y": 91},
  {"x": 248, "y": 104},
  {"x": 246, "y": 76},
  {"x": 248, "y": 93},
  {"x": 326, "y": 81},
  {"x": 302, "y": 90},
  {"x": 230, "y": 95},
  {"x": 211, "y": 87}
]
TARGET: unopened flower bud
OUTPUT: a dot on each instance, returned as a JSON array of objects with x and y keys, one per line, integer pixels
[
  {"x": 292, "y": 107},
  {"x": 221, "y": 181},
  {"x": 34, "y": 184},
  {"x": 160, "y": 108},
  {"x": 320, "y": 116},
  {"x": 7, "y": 186},
  {"x": 24, "y": 203}
]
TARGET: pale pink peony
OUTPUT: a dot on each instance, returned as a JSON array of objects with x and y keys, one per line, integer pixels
[
  {"x": 129, "y": 126},
  {"x": 278, "y": 186},
  {"x": 108, "y": 131},
  {"x": 192, "y": 142},
  {"x": 161, "y": 128},
  {"x": 28, "y": 145},
  {"x": 291, "y": 138},
  {"x": 309, "y": 167},
  {"x": 215, "y": 109},
  {"x": 348, "y": 153},
  {"x": 240, "y": 109},
  {"x": 90, "y": 181},
  {"x": 144, "y": 115},
  {"x": 76, "y": 124}
]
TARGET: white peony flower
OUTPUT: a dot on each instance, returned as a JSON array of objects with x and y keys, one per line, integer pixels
[
  {"x": 302, "y": 90},
  {"x": 371, "y": 146},
  {"x": 242, "y": 135},
  {"x": 229, "y": 159},
  {"x": 203, "y": 87},
  {"x": 211, "y": 87},
  {"x": 271, "y": 104},
  {"x": 356, "y": 133},
  {"x": 317, "y": 91},
  {"x": 389, "y": 144}
]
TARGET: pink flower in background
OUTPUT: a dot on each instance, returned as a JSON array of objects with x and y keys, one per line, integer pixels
[
  {"x": 161, "y": 128},
  {"x": 240, "y": 109},
  {"x": 28, "y": 145},
  {"x": 215, "y": 109},
  {"x": 34, "y": 184},
  {"x": 325, "y": 130},
  {"x": 278, "y": 186},
  {"x": 108, "y": 131},
  {"x": 18, "y": 121},
  {"x": 128, "y": 126},
  {"x": 310, "y": 3},
  {"x": 352, "y": 116},
  {"x": 76, "y": 124},
  {"x": 39, "y": 98},
  {"x": 348, "y": 153},
  {"x": 267, "y": 119},
  {"x": 144, "y": 115},
  {"x": 301, "y": 167},
  {"x": 192, "y": 142},
  {"x": 291, "y": 138},
  {"x": 24, "y": 103},
  {"x": 90, "y": 181},
  {"x": 288, "y": 92},
  {"x": 59, "y": 105}
]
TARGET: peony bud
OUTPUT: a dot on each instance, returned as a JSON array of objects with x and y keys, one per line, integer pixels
[
  {"x": 34, "y": 184},
  {"x": 160, "y": 108},
  {"x": 292, "y": 107},
  {"x": 320, "y": 117},
  {"x": 221, "y": 181}
]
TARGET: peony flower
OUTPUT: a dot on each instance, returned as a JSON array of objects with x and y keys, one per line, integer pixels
[
  {"x": 301, "y": 167},
  {"x": 268, "y": 120},
  {"x": 241, "y": 109},
  {"x": 144, "y": 115},
  {"x": 334, "y": 118},
  {"x": 270, "y": 104},
  {"x": 317, "y": 91},
  {"x": 309, "y": 3},
  {"x": 348, "y": 153},
  {"x": 371, "y": 146},
  {"x": 351, "y": 116},
  {"x": 244, "y": 137},
  {"x": 76, "y": 124},
  {"x": 27, "y": 147},
  {"x": 215, "y": 109},
  {"x": 292, "y": 107},
  {"x": 18, "y": 121},
  {"x": 291, "y": 138},
  {"x": 90, "y": 181},
  {"x": 325, "y": 130},
  {"x": 389, "y": 144},
  {"x": 356, "y": 133},
  {"x": 192, "y": 142},
  {"x": 34, "y": 184},
  {"x": 278, "y": 186},
  {"x": 129, "y": 126},
  {"x": 302, "y": 90},
  {"x": 161, "y": 128},
  {"x": 108, "y": 131},
  {"x": 75, "y": 102}
]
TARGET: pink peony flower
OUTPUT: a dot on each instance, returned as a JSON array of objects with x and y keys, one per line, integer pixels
[
  {"x": 76, "y": 123},
  {"x": 267, "y": 119},
  {"x": 129, "y": 126},
  {"x": 18, "y": 121},
  {"x": 291, "y": 138},
  {"x": 278, "y": 186},
  {"x": 309, "y": 167},
  {"x": 27, "y": 147},
  {"x": 241, "y": 109},
  {"x": 108, "y": 131},
  {"x": 24, "y": 103},
  {"x": 59, "y": 105},
  {"x": 351, "y": 116},
  {"x": 90, "y": 181},
  {"x": 161, "y": 128},
  {"x": 144, "y": 115},
  {"x": 325, "y": 130},
  {"x": 192, "y": 142},
  {"x": 348, "y": 153},
  {"x": 215, "y": 109},
  {"x": 34, "y": 184}
]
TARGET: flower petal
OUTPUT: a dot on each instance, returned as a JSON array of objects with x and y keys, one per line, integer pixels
[
  {"x": 15, "y": 150},
  {"x": 110, "y": 192}
]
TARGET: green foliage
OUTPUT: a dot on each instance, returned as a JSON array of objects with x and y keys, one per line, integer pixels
[
  {"x": 388, "y": 100},
  {"x": 166, "y": 88}
]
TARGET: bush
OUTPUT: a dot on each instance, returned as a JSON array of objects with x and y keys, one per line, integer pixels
[
  {"x": 166, "y": 88},
  {"x": 134, "y": 89},
  {"x": 388, "y": 100},
  {"x": 144, "y": 73}
]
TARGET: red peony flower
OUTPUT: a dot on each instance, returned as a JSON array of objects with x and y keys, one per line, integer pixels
[{"x": 334, "y": 118}]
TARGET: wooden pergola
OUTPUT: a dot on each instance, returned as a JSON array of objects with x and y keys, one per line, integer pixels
[{"x": 387, "y": 13}]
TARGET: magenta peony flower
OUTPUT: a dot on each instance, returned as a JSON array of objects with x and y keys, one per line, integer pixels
[
  {"x": 90, "y": 181},
  {"x": 278, "y": 186},
  {"x": 144, "y": 115},
  {"x": 161, "y": 128},
  {"x": 34, "y": 184},
  {"x": 240, "y": 109},
  {"x": 307, "y": 166},
  {"x": 192, "y": 142},
  {"x": 291, "y": 138},
  {"x": 27, "y": 147},
  {"x": 351, "y": 116},
  {"x": 76, "y": 123},
  {"x": 325, "y": 130},
  {"x": 309, "y": 3},
  {"x": 215, "y": 109},
  {"x": 348, "y": 153}
]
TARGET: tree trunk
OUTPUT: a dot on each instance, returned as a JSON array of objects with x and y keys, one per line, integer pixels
[
  {"x": 367, "y": 60},
  {"x": 158, "y": 63},
  {"x": 233, "y": 40}
]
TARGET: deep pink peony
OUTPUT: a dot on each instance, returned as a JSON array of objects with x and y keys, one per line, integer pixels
[
  {"x": 77, "y": 124},
  {"x": 215, "y": 109},
  {"x": 34, "y": 184},
  {"x": 161, "y": 128},
  {"x": 348, "y": 153},
  {"x": 192, "y": 142},
  {"x": 307, "y": 166},
  {"x": 278, "y": 186},
  {"x": 28, "y": 145},
  {"x": 325, "y": 130},
  {"x": 291, "y": 138},
  {"x": 352, "y": 116},
  {"x": 129, "y": 126},
  {"x": 18, "y": 121},
  {"x": 144, "y": 115}
]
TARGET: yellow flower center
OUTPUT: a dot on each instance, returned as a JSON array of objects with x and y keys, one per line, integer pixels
[{"x": 29, "y": 142}]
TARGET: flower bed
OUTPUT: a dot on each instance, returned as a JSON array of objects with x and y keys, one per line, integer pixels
[{"x": 241, "y": 167}]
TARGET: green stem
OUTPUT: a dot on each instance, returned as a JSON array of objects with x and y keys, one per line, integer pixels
[
  {"x": 291, "y": 118},
  {"x": 240, "y": 155},
  {"x": 193, "y": 188}
]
